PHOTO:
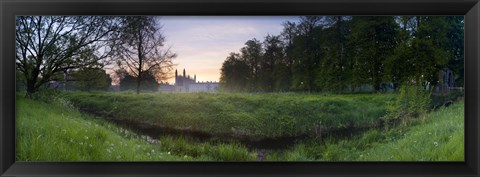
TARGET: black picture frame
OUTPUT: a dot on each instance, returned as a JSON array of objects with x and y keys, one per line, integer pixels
[{"x": 10, "y": 8}]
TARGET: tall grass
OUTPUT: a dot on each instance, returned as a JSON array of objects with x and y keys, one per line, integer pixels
[
  {"x": 55, "y": 131},
  {"x": 247, "y": 115},
  {"x": 439, "y": 136}
]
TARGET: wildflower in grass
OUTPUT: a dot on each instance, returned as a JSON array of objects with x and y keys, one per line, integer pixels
[
  {"x": 168, "y": 152},
  {"x": 153, "y": 151},
  {"x": 109, "y": 151},
  {"x": 435, "y": 144},
  {"x": 81, "y": 143},
  {"x": 185, "y": 156},
  {"x": 64, "y": 131},
  {"x": 85, "y": 137}
]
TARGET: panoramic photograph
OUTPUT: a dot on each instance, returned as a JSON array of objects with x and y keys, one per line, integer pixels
[{"x": 239, "y": 88}]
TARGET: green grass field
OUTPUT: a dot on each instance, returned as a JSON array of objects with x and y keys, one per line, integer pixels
[
  {"x": 438, "y": 136},
  {"x": 255, "y": 116},
  {"x": 57, "y": 131}
]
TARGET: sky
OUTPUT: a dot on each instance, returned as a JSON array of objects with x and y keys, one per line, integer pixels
[{"x": 202, "y": 43}]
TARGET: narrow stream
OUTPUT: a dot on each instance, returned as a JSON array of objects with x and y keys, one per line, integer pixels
[
  {"x": 262, "y": 146},
  {"x": 155, "y": 132}
]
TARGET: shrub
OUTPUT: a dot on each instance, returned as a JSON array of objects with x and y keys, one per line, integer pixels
[{"x": 413, "y": 101}]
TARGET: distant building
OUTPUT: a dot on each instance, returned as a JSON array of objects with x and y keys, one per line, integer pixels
[
  {"x": 184, "y": 83},
  {"x": 203, "y": 87},
  {"x": 166, "y": 88},
  {"x": 446, "y": 81},
  {"x": 62, "y": 81}
]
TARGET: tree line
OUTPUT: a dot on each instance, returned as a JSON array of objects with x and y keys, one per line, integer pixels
[
  {"x": 49, "y": 46},
  {"x": 345, "y": 53}
]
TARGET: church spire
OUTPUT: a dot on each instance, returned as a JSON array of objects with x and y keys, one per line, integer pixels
[
  {"x": 184, "y": 73},
  {"x": 176, "y": 77}
]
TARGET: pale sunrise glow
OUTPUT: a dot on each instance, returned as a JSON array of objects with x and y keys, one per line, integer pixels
[{"x": 203, "y": 42}]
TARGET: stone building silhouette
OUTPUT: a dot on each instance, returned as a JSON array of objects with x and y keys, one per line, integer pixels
[
  {"x": 185, "y": 83},
  {"x": 446, "y": 81}
]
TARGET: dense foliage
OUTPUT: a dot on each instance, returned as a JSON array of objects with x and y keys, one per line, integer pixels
[
  {"x": 348, "y": 54},
  {"x": 148, "y": 82},
  {"x": 91, "y": 78}
]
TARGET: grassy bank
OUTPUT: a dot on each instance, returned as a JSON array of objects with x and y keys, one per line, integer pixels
[
  {"x": 254, "y": 116},
  {"x": 56, "y": 131},
  {"x": 437, "y": 136}
]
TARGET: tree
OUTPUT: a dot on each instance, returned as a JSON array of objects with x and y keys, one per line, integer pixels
[
  {"x": 428, "y": 44},
  {"x": 456, "y": 43},
  {"x": 341, "y": 53},
  {"x": 334, "y": 71},
  {"x": 275, "y": 70},
  {"x": 289, "y": 33},
  {"x": 252, "y": 55},
  {"x": 373, "y": 40},
  {"x": 48, "y": 45},
  {"x": 307, "y": 53},
  {"x": 91, "y": 78},
  {"x": 234, "y": 73},
  {"x": 129, "y": 82},
  {"x": 139, "y": 49}
]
